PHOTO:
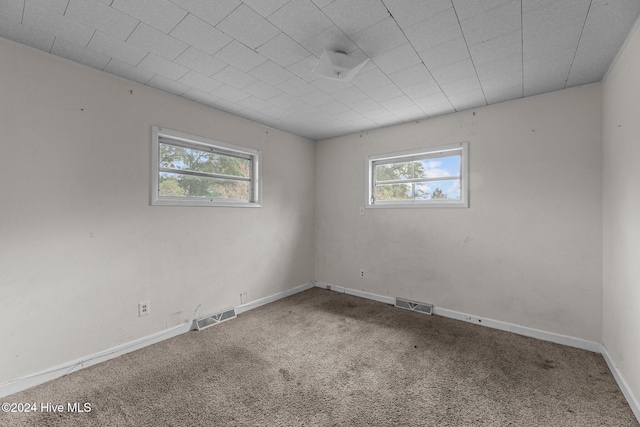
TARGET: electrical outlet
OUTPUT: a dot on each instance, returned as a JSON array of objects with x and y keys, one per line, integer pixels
[
  {"x": 144, "y": 308},
  {"x": 362, "y": 274},
  {"x": 243, "y": 298}
]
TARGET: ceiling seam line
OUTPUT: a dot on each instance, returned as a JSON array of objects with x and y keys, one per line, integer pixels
[
  {"x": 470, "y": 57},
  {"x": 421, "y": 61},
  {"x": 584, "y": 24}
]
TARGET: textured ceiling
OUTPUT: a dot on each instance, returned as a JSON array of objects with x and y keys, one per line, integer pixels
[{"x": 253, "y": 58}]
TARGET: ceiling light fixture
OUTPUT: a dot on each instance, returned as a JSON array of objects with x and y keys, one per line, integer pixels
[{"x": 338, "y": 66}]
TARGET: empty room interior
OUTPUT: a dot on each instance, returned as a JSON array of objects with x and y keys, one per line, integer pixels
[{"x": 256, "y": 178}]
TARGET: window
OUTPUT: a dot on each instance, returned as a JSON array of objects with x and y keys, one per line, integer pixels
[
  {"x": 193, "y": 171},
  {"x": 433, "y": 177}
]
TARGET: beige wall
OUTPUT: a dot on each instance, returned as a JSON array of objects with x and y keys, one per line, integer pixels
[
  {"x": 621, "y": 212},
  {"x": 528, "y": 250},
  {"x": 80, "y": 245}
]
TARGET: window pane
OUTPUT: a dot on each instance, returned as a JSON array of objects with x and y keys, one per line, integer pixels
[
  {"x": 438, "y": 190},
  {"x": 394, "y": 171},
  {"x": 178, "y": 185},
  {"x": 438, "y": 167},
  {"x": 394, "y": 192},
  {"x": 174, "y": 157}
]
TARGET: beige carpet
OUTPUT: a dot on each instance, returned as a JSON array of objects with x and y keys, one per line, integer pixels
[{"x": 323, "y": 358}]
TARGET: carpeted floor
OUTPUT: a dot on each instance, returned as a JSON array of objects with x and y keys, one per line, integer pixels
[{"x": 323, "y": 358}]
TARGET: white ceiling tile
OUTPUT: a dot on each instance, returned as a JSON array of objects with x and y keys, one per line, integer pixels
[
  {"x": 197, "y": 33},
  {"x": 300, "y": 19},
  {"x": 306, "y": 110},
  {"x": 228, "y": 106},
  {"x": 230, "y": 94},
  {"x": 116, "y": 48},
  {"x": 209, "y": 11},
  {"x": 461, "y": 86},
  {"x": 371, "y": 79},
  {"x": 254, "y": 103},
  {"x": 128, "y": 72},
  {"x": 445, "y": 54},
  {"x": 234, "y": 77},
  {"x": 547, "y": 73},
  {"x": 503, "y": 93},
  {"x": 421, "y": 90},
  {"x": 365, "y": 106},
  {"x": 509, "y": 44},
  {"x": 240, "y": 56},
  {"x": 427, "y": 103},
  {"x": 434, "y": 31},
  {"x": 350, "y": 96},
  {"x": 322, "y": 3},
  {"x": 199, "y": 61},
  {"x": 500, "y": 67},
  {"x": 493, "y": 23},
  {"x": 199, "y": 96},
  {"x": 159, "y": 65},
  {"x": 296, "y": 87},
  {"x": 409, "y": 113},
  {"x": 56, "y": 25},
  {"x": 494, "y": 84},
  {"x": 602, "y": 37},
  {"x": 379, "y": 38},
  {"x": 408, "y": 12},
  {"x": 466, "y": 100},
  {"x": 272, "y": 73},
  {"x": 284, "y": 100},
  {"x": 410, "y": 76},
  {"x": 56, "y": 6},
  {"x": 148, "y": 38},
  {"x": 588, "y": 68},
  {"x": 79, "y": 54},
  {"x": 397, "y": 59},
  {"x": 317, "y": 98},
  {"x": 331, "y": 86},
  {"x": 248, "y": 27},
  {"x": 333, "y": 108},
  {"x": 265, "y": 7},
  {"x": 397, "y": 103},
  {"x": 11, "y": 30},
  {"x": 12, "y": 9},
  {"x": 101, "y": 17},
  {"x": 352, "y": 16},
  {"x": 467, "y": 8},
  {"x": 168, "y": 85},
  {"x": 283, "y": 50},
  {"x": 554, "y": 27},
  {"x": 199, "y": 81},
  {"x": 330, "y": 39},
  {"x": 528, "y": 5},
  {"x": 162, "y": 15},
  {"x": 262, "y": 90},
  {"x": 303, "y": 68},
  {"x": 438, "y": 109},
  {"x": 384, "y": 93},
  {"x": 453, "y": 72}
]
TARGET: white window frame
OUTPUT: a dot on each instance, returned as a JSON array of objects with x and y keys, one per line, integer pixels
[
  {"x": 200, "y": 143},
  {"x": 420, "y": 154}
]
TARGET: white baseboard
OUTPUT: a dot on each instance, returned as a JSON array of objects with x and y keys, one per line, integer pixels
[
  {"x": 271, "y": 298},
  {"x": 33, "y": 380},
  {"x": 628, "y": 394},
  {"x": 482, "y": 321},
  {"x": 510, "y": 327},
  {"x": 41, "y": 377},
  {"x": 521, "y": 330}
]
